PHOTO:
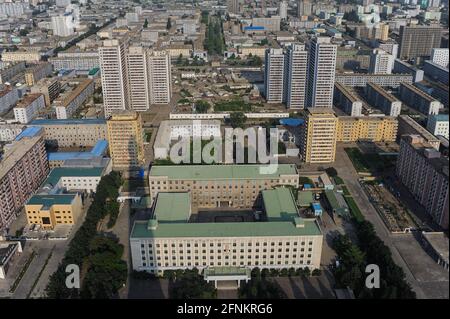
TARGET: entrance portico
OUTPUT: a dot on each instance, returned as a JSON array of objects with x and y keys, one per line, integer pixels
[{"x": 217, "y": 274}]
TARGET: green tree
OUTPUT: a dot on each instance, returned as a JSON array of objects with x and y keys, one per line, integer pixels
[
  {"x": 202, "y": 106},
  {"x": 145, "y": 23},
  {"x": 331, "y": 171},
  {"x": 237, "y": 119},
  {"x": 169, "y": 24},
  {"x": 191, "y": 285}
]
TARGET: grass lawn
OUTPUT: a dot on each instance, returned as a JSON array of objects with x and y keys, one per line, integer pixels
[
  {"x": 233, "y": 105},
  {"x": 338, "y": 180},
  {"x": 345, "y": 190},
  {"x": 357, "y": 159},
  {"x": 354, "y": 209},
  {"x": 369, "y": 162}
]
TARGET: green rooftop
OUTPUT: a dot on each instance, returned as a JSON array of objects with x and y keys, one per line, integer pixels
[
  {"x": 279, "y": 204},
  {"x": 209, "y": 172},
  {"x": 305, "y": 198},
  {"x": 48, "y": 200},
  {"x": 57, "y": 173},
  {"x": 245, "y": 229},
  {"x": 173, "y": 207},
  {"x": 335, "y": 206}
]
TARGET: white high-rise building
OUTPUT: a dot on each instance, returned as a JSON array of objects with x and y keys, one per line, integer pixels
[
  {"x": 13, "y": 9},
  {"x": 63, "y": 25},
  {"x": 283, "y": 9},
  {"x": 233, "y": 6},
  {"x": 274, "y": 75},
  {"x": 159, "y": 75},
  {"x": 113, "y": 64},
  {"x": 440, "y": 56},
  {"x": 62, "y": 3},
  {"x": 304, "y": 8},
  {"x": 295, "y": 76},
  {"x": 134, "y": 78},
  {"x": 138, "y": 79},
  {"x": 321, "y": 72},
  {"x": 381, "y": 62}
]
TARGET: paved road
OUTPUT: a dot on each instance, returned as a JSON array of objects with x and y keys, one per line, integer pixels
[{"x": 347, "y": 172}]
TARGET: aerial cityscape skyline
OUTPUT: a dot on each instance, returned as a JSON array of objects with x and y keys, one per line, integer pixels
[{"x": 224, "y": 149}]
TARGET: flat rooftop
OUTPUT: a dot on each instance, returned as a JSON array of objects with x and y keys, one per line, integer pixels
[
  {"x": 48, "y": 200},
  {"x": 69, "y": 122},
  {"x": 221, "y": 172},
  {"x": 279, "y": 204},
  {"x": 57, "y": 173},
  {"x": 172, "y": 207},
  {"x": 245, "y": 229}
]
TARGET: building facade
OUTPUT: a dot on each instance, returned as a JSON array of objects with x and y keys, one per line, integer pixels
[
  {"x": 274, "y": 75},
  {"x": 383, "y": 100},
  {"x": 419, "y": 100},
  {"x": 367, "y": 128},
  {"x": 29, "y": 107},
  {"x": 423, "y": 170},
  {"x": 345, "y": 99},
  {"x": 417, "y": 41},
  {"x": 23, "y": 168},
  {"x": 318, "y": 136},
  {"x": 214, "y": 186},
  {"x": 72, "y": 132},
  {"x": 321, "y": 72},
  {"x": 125, "y": 139},
  {"x": 68, "y": 104},
  {"x": 296, "y": 72},
  {"x": 438, "y": 125}
]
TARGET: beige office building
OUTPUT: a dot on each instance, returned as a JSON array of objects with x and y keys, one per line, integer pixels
[
  {"x": 318, "y": 136},
  {"x": 72, "y": 132},
  {"x": 125, "y": 139},
  {"x": 213, "y": 186}
]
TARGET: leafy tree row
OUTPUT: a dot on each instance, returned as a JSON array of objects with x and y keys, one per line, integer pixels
[
  {"x": 80, "y": 247},
  {"x": 189, "y": 284},
  {"x": 350, "y": 272}
]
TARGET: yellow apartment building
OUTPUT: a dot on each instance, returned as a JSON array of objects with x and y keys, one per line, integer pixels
[
  {"x": 370, "y": 128},
  {"x": 318, "y": 136},
  {"x": 126, "y": 145}
]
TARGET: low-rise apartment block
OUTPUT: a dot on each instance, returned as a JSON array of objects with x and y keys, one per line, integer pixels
[
  {"x": 50, "y": 88},
  {"x": 172, "y": 130},
  {"x": 76, "y": 60},
  {"x": 17, "y": 56},
  {"x": 213, "y": 186},
  {"x": 29, "y": 107},
  {"x": 9, "y": 70},
  {"x": 73, "y": 132},
  {"x": 438, "y": 125},
  {"x": 37, "y": 72},
  {"x": 69, "y": 103},
  {"x": 367, "y": 128},
  {"x": 407, "y": 125},
  {"x": 348, "y": 101},
  {"x": 8, "y": 132},
  {"x": 418, "y": 99},
  {"x": 23, "y": 167},
  {"x": 8, "y": 97},
  {"x": 361, "y": 79},
  {"x": 383, "y": 100},
  {"x": 424, "y": 171}
]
